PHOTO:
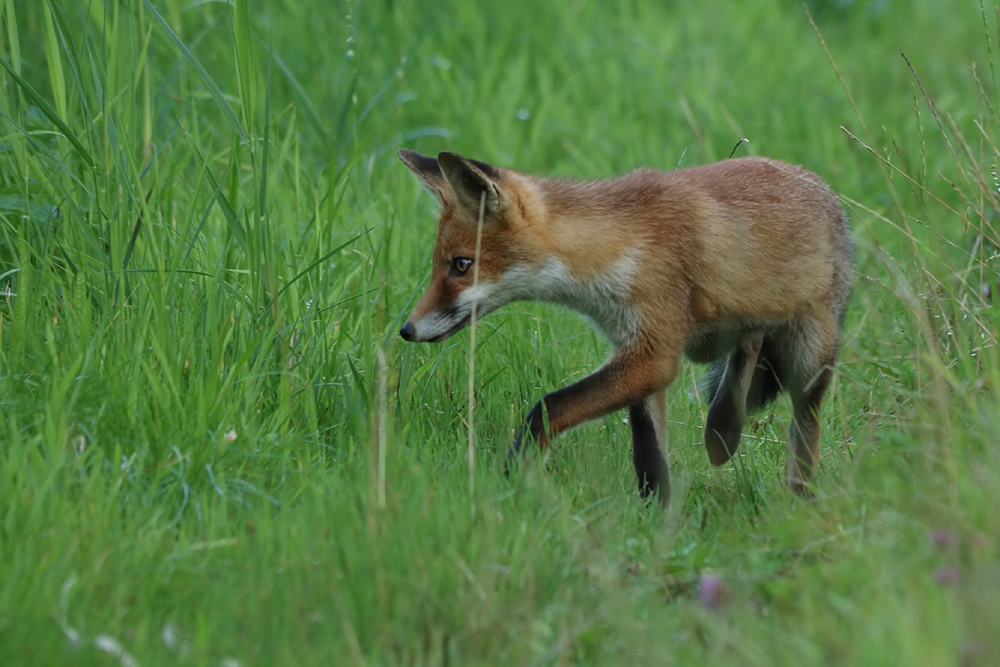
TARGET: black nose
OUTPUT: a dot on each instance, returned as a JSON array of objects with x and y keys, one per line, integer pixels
[{"x": 408, "y": 332}]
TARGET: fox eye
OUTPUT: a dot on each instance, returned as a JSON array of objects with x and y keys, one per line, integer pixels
[{"x": 461, "y": 264}]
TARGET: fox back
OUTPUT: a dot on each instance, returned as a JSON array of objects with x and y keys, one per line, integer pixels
[{"x": 745, "y": 263}]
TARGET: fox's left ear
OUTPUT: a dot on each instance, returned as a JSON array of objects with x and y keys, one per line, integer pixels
[
  {"x": 470, "y": 179},
  {"x": 426, "y": 170}
]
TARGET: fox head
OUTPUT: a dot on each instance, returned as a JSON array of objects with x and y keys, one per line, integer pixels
[{"x": 460, "y": 278}]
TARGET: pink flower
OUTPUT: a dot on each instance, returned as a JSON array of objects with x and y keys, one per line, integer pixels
[
  {"x": 712, "y": 592},
  {"x": 946, "y": 576},
  {"x": 943, "y": 539}
]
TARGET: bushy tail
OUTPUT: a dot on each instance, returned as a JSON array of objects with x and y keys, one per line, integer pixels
[
  {"x": 708, "y": 383},
  {"x": 764, "y": 387}
]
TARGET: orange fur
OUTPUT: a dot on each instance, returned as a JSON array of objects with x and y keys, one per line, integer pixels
[{"x": 746, "y": 263}]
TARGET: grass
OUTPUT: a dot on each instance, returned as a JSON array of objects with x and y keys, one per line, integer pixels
[{"x": 206, "y": 246}]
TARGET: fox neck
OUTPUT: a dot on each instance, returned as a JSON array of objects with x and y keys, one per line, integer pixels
[
  {"x": 583, "y": 263},
  {"x": 603, "y": 299}
]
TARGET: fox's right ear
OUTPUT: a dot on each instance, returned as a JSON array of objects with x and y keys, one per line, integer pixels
[{"x": 427, "y": 170}]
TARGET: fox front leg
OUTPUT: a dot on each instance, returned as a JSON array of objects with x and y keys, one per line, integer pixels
[
  {"x": 627, "y": 379},
  {"x": 648, "y": 419}
]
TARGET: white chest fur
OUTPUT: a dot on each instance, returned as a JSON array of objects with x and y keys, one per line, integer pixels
[{"x": 603, "y": 298}]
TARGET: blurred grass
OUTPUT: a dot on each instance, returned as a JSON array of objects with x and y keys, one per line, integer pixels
[{"x": 205, "y": 240}]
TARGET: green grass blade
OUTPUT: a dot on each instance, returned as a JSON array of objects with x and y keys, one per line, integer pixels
[
  {"x": 342, "y": 139},
  {"x": 56, "y": 76},
  {"x": 49, "y": 112},
  {"x": 262, "y": 198},
  {"x": 227, "y": 210},
  {"x": 22, "y": 303},
  {"x": 14, "y": 41},
  {"x": 322, "y": 259},
  {"x": 309, "y": 268},
  {"x": 245, "y": 70},
  {"x": 303, "y": 101},
  {"x": 63, "y": 35},
  {"x": 220, "y": 100},
  {"x": 201, "y": 223}
]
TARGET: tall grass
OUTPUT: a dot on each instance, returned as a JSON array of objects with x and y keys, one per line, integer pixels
[{"x": 214, "y": 448}]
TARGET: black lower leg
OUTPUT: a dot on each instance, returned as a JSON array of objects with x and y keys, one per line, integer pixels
[
  {"x": 532, "y": 431},
  {"x": 650, "y": 467}
]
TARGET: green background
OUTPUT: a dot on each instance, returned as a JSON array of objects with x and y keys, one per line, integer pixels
[{"x": 207, "y": 247}]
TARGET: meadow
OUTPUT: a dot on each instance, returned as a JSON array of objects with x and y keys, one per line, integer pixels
[{"x": 216, "y": 450}]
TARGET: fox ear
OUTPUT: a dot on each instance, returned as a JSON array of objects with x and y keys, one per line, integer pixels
[
  {"x": 470, "y": 179},
  {"x": 427, "y": 171}
]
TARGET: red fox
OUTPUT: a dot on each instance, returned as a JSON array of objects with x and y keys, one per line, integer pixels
[{"x": 745, "y": 264}]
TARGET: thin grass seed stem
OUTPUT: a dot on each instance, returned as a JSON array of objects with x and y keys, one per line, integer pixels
[
  {"x": 382, "y": 401},
  {"x": 989, "y": 58},
  {"x": 899, "y": 171},
  {"x": 836, "y": 70},
  {"x": 471, "y": 454},
  {"x": 857, "y": 113}
]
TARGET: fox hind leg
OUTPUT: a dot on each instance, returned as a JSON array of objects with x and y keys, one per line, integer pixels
[
  {"x": 648, "y": 421},
  {"x": 728, "y": 411},
  {"x": 811, "y": 351},
  {"x": 803, "y": 458}
]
